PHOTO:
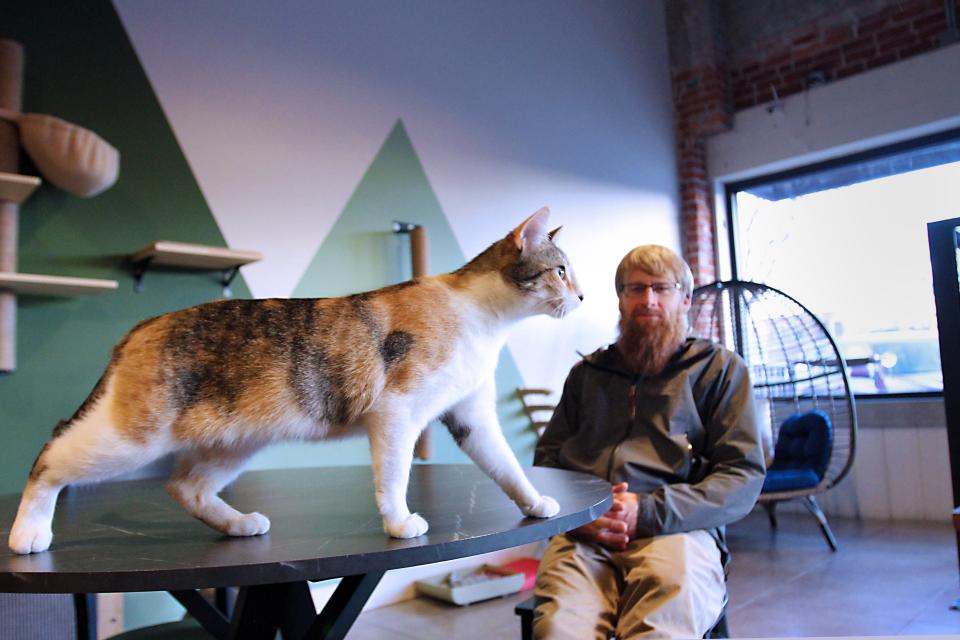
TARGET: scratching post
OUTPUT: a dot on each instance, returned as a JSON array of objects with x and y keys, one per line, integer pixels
[
  {"x": 420, "y": 257},
  {"x": 419, "y": 251},
  {"x": 11, "y": 97}
]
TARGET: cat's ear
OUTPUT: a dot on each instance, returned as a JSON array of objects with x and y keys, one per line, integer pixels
[
  {"x": 553, "y": 234},
  {"x": 532, "y": 231}
]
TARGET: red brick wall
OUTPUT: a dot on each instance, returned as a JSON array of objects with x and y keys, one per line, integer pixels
[
  {"x": 836, "y": 46},
  {"x": 848, "y": 40},
  {"x": 701, "y": 109}
]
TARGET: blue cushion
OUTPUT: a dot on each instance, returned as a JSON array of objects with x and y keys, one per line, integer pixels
[
  {"x": 802, "y": 453},
  {"x": 789, "y": 479}
]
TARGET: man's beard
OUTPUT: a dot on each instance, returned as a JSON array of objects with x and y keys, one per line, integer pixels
[{"x": 648, "y": 344}]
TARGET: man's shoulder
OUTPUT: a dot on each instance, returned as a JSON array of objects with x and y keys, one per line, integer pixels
[
  {"x": 701, "y": 349},
  {"x": 602, "y": 355},
  {"x": 605, "y": 360}
]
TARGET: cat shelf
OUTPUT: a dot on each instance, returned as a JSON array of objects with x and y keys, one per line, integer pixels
[
  {"x": 17, "y": 188},
  {"x": 38, "y": 285},
  {"x": 196, "y": 257}
]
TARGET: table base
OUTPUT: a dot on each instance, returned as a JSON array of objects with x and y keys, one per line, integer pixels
[{"x": 262, "y": 610}]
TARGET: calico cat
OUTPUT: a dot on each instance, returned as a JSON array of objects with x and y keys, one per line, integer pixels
[{"x": 216, "y": 382}]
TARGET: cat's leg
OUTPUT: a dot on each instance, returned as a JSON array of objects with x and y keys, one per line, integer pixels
[
  {"x": 86, "y": 449},
  {"x": 200, "y": 475},
  {"x": 392, "y": 439},
  {"x": 32, "y": 530},
  {"x": 474, "y": 425}
]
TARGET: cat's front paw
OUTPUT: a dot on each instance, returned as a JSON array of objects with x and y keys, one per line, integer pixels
[
  {"x": 248, "y": 524},
  {"x": 411, "y": 527},
  {"x": 27, "y": 539},
  {"x": 545, "y": 507}
]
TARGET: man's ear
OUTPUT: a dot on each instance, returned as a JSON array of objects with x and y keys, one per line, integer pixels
[{"x": 531, "y": 231}]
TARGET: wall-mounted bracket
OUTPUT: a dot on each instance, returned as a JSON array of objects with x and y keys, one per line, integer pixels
[
  {"x": 404, "y": 227},
  {"x": 140, "y": 268},
  {"x": 227, "y": 278},
  {"x": 193, "y": 257}
]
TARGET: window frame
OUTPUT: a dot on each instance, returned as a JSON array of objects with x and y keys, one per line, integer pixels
[{"x": 731, "y": 188}]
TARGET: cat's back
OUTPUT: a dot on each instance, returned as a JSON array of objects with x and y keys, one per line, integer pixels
[
  {"x": 329, "y": 357},
  {"x": 425, "y": 309},
  {"x": 222, "y": 327}
]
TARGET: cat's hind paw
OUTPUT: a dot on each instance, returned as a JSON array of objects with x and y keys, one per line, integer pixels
[
  {"x": 26, "y": 539},
  {"x": 411, "y": 527},
  {"x": 546, "y": 507},
  {"x": 248, "y": 524}
]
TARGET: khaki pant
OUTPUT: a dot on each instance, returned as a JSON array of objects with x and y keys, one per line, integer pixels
[{"x": 663, "y": 587}]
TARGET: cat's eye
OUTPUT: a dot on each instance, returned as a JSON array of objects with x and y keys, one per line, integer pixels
[{"x": 561, "y": 271}]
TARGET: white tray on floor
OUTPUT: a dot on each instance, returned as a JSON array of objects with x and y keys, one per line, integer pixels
[{"x": 472, "y": 585}]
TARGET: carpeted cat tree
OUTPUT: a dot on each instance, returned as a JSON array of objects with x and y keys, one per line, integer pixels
[{"x": 70, "y": 157}]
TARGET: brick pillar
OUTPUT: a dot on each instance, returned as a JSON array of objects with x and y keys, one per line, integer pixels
[{"x": 702, "y": 107}]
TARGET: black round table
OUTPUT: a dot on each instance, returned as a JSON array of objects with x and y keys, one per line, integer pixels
[{"x": 131, "y": 536}]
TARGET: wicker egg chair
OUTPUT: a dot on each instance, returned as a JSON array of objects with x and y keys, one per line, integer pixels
[{"x": 800, "y": 385}]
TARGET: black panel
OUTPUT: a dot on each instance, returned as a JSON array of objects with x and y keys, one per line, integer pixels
[{"x": 942, "y": 236}]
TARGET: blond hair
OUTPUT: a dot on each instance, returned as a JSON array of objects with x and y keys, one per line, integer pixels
[{"x": 657, "y": 261}]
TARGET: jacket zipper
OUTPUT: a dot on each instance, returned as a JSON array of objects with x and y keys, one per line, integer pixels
[{"x": 631, "y": 413}]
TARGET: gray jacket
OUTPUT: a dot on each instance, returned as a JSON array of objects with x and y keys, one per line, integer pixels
[{"x": 686, "y": 440}]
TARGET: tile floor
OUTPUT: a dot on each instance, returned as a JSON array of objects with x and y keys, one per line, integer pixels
[{"x": 887, "y": 579}]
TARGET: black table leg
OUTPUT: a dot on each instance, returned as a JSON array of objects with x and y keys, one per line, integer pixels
[
  {"x": 209, "y": 617},
  {"x": 260, "y": 611},
  {"x": 85, "y": 606},
  {"x": 263, "y": 609},
  {"x": 344, "y": 606},
  {"x": 223, "y": 600}
]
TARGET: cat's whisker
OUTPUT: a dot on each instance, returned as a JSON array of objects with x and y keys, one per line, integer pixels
[{"x": 560, "y": 307}]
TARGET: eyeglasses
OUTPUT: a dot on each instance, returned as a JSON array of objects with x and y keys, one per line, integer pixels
[{"x": 637, "y": 289}]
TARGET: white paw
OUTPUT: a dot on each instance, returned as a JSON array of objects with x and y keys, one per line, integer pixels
[
  {"x": 546, "y": 507},
  {"x": 248, "y": 524},
  {"x": 412, "y": 527},
  {"x": 27, "y": 539}
]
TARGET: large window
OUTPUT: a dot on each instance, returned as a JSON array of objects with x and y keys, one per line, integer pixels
[{"x": 848, "y": 240}]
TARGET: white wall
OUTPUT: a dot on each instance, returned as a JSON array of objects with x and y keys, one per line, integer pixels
[
  {"x": 510, "y": 106},
  {"x": 897, "y": 102},
  {"x": 902, "y": 469}
]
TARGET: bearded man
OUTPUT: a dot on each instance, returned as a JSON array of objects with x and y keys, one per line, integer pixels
[{"x": 669, "y": 421}]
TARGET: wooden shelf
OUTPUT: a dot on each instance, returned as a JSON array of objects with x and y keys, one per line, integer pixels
[
  {"x": 193, "y": 256},
  {"x": 167, "y": 253},
  {"x": 17, "y": 188},
  {"x": 33, "y": 284}
]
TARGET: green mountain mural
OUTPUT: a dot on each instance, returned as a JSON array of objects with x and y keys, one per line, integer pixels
[{"x": 362, "y": 252}]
